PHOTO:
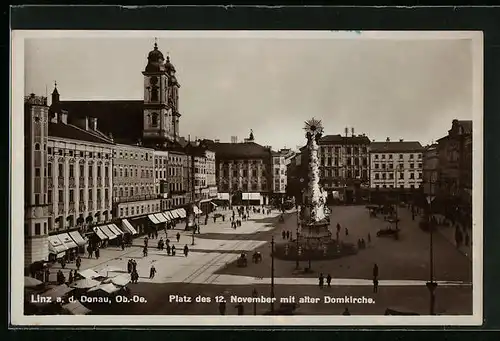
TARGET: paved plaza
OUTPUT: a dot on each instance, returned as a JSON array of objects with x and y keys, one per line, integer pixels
[{"x": 210, "y": 267}]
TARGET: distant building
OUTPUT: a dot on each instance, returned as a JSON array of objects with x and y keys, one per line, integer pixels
[
  {"x": 396, "y": 164},
  {"x": 455, "y": 167},
  {"x": 279, "y": 174},
  {"x": 243, "y": 171},
  {"x": 430, "y": 171}
]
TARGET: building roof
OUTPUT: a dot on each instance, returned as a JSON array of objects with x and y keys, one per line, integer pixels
[
  {"x": 465, "y": 124},
  {"x": 396, "y": 147},
  {"x": 123, "y": 119},
  {"x": 246, "y": 150},
  {"x": 339, "y": 139},
  {"x": 68, "y": 131}
]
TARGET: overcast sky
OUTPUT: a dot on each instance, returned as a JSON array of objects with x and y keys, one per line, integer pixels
[{"x": 396, "y": 88}]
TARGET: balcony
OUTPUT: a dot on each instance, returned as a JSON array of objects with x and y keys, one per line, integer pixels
[
  {"x": 138, "y": 198},
  {"x": 71, "y": 208},
  {"x": 60, "y": 181},
  {"x": 91, "y": 205},
  {"x": 82, "y": 206},
  {"x": 72, "y": 182},
  {"x": 99, "y": 181},
  {"x": 81, "y": 182},
  {"x": 60, "y": 208},
  {"x": 99, "y": 204},
  {"x": 50, "y": 182}
]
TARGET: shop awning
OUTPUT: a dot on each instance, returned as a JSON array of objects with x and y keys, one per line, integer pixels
[
  {"x": 107, "y": 231},
  {"x": 223, "y": 196},
  {"x": 160, "y": 217},
  {"x": 204, "y": 201},
  {"x": 250, "y": 196},
  {"x": 67, "y": 241},
  {"x": 100, "y": 234},
  {"x": 77, "y": 237},
  {"x": 214, "y": 204},
  {"x": 197, "y": 210},
  {"x": 153, "y": 219},
  {"x": 182, "y": 212},
  {"x": 56, "y": 247},
  {"x": 128, "y": 226},
  {"x": 167, "y": 216},
  {"x": 174, "y": 214},
  {"x": 115, "y": 229}
]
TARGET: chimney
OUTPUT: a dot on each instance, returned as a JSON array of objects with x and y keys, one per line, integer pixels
[
  {"x": 387, "y": 139},
  {"x": 217, "y": 141},
  {"x": 82, "y": 123},
  {"x": 93, "y": 123},
  {"x": 352, "y": 132},
  {"x": 234, "y": 139},
  {"x": 63, "y": 117},
  {"x": 400, "y": 140}
]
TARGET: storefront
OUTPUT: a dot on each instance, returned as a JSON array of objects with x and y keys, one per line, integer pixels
[
  {"x": 128, "y": 228},
  {"x": 249, "y": 199},
  {"x": 71, "y": 246},
  {"x": 79, "y": 240},
  {"x": 101, "y": 239}
]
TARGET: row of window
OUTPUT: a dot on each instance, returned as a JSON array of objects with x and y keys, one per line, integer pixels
[
  {"x": 400, "y": 186},
  {"x": 138, "y": 210},
  {"x": 130, "y": 155},
  {"x": 239, "y": 162},
  {"x": 74, "y": 153},
  {"x": 132, "y": 191},
  {"x": 126, "y": 172},
  {"x": 400, "y": 166},
  {"x": 38, "y": 229},
  {"x": 71, "y": 170},
  {"x": 350, "y": 161},
  {"x": 337, "y": 149},
  {"x": 72, "y": 192},
  {"x": 389, "y": 156},
  {"x": 254, "y": 187},
  {"x": 337, "y": 172},
  {"x": 390, "y": 176},
  {"x": 244, "y": 173},
  {"x": 278, "y": 172}
]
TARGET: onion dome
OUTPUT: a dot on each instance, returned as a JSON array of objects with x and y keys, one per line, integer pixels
[
  {"x": 169, "y": 67},
  {"x": 155, "y": 60}
]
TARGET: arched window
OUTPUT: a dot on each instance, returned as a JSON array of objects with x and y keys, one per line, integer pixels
[
  {"x": 37, "y": 146},
  {"x": 154, "y": 94},
  {"x": 154, "y": 119}
]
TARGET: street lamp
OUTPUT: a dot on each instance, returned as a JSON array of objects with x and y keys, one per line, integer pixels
[
  {"x": 272, "y": 274},
  {"x": 254, "y": 295},
  {"x": 431, "y": 285}
]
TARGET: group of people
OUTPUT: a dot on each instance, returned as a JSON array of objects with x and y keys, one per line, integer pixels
[
  {"x": 93, "y": 250},
  {"x": 321, "y": 279},
  {"x": 132, "y": 270},
  {"x": 286, "y": 235}
]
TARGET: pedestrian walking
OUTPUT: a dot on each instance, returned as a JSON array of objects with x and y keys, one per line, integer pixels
[
  {"x": 47, "y": 275},
  {"x": 346, "y": 231},
  {"x": 321, "y": 280},
  {"x": 222, "y": 308},
  {"x": 346, "y": 311},
  {"x": 78, "y": 263},
  {"x": 90, "y": 251},
  {"x": 70, "y": 277},
  {"x": 329, "y": 280},
  {"x": 223, "y": 218},
  {"x": 97, "y": 252},
  {"x": 145, "y": 251},
  {"x": 375, "y": 270},
  {"x": 287, "y": 234},
  {"x": 375, "y": 285},
  {"x": 369, "y": 238},
  {"x": 152, "y": 272},
  {"x": 283, "y": 234},
  {"x": 186, "y": 250},
  {"x": 122, "y": 243},
  {"x": 178, "y": 236},
  {"x": 129, "y": 266},
  {"x": 215, "y": 218},
  {"x": 338, "y": 227},
  {"x": 173, "y": 250}
]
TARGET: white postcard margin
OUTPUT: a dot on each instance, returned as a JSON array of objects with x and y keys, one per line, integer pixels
[{"x": 16, "y": 260}]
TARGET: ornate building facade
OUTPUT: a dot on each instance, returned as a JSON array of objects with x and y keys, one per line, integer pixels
[
  {"x": 279, "y": 174},
  {"x": 396, "y": 165}
]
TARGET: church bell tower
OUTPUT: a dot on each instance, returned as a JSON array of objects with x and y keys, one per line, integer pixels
[{"x": 161, "y": 117}]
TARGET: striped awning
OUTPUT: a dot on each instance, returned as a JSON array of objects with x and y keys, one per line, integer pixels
[
  {"x": 107, "y": 231},
  {"x": 160, "y": 217},
  {"x": 67, "y": 241},
  {"x": 175, "y": 214},
  {"x": 182, "y": 212},
  {"x": 56, "y": 247},
  {"x": 153, "y": 219},
  {"x": 128, "y": 226},
  {"x": 77, "y": 237},
  {"x": 167, "y": 216},
  {"x": 100, "y": 234},
  {"x": 197, "y": 210},
  {"x": 115, "y": 229}
]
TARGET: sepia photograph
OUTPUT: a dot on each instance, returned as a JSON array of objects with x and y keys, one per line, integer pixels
[{"x": 247, "y": 178}]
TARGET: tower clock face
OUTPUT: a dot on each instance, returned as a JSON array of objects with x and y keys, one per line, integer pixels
[{"x": 153, "y": 80}]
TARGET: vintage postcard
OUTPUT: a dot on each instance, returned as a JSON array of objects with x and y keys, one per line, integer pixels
[{"x": 243, "y": 178}]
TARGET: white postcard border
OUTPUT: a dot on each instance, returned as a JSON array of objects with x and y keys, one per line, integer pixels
[{"x": 17, "y": 196}]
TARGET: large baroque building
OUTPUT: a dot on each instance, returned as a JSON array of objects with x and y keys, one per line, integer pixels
[
  {"x": 244, "y": 171},
  {"x": 279, "y": 174},
  {"x": 396, "y": 165}
]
